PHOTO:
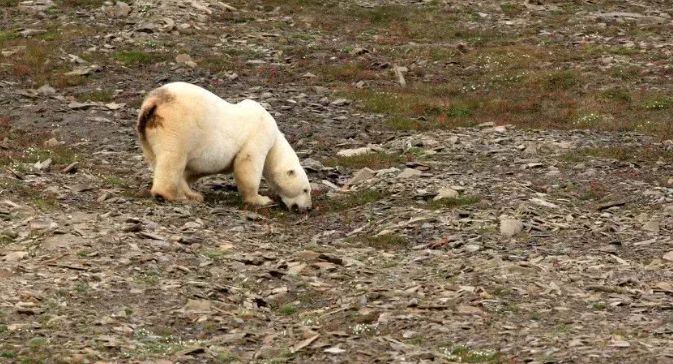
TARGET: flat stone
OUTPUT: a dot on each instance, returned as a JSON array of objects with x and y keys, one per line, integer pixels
[
  {"x": 353, "y": 152},
  {"x": 361, "y": 176},
  {"x": 409, "y": 173}
]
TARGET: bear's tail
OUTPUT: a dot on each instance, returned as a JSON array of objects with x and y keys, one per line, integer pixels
[{"x": 146, "y": 117}]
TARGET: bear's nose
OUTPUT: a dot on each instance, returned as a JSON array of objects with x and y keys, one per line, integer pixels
[{"x": 294, "y": 207}]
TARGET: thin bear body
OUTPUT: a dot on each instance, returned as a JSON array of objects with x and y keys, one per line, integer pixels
[{"x": 187, "y": 132}]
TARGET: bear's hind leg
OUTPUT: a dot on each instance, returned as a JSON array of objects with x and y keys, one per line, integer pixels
[{"x": 248, "y": 169}]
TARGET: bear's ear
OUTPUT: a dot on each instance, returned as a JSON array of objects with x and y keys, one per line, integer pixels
[{"x": 290, "y": 172}]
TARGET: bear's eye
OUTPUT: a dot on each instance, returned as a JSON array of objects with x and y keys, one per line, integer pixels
[
  {"x": 290, "y": 172},
  {"x": 305, "y": 190}
]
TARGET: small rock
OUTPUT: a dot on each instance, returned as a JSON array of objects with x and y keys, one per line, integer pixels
[
  {"x": 553, "y": 172},
  {"x": 42, "y": 166},
  {"x": 471, "y": 248},
  {"x": 118, "y": 10},
  {"x": 114, "y": 106},
  {"x": 51, "y": 143},
  {"x": 185, "y": 59},
  {"x": 340, "y": 102},
  {"x": 15, "y": 256},
  {"x": 81, "y": 105},
  {"x": 357, "y": 51},
  {"x": 70, "y": 168},
  {"x": 147, "y": 27},
  {"x": 335, "y": 350},
  {"x": 197, "y": 306},
  {"x": 354, "y": 152},
  {"x": 312, "y": 164},
  {"x": 543, "y": 203},
  {"x": 46, "y": 90},
  {"x": 26, "y": 33},
  {"x": 361, "y": 176},
  {"x": 531, "y": 149},
  {"x": 668, "y": 256},
  {"x": 399, "y": 72},
  {"x": 308, "y": 75},
  {"x": 446, "y": 193},
  {"x": 83, "y": 70},
  {"x": 510, "y": 227},
  {"x": 409, "y": 173},
  {"x": 652, "y": 226}
]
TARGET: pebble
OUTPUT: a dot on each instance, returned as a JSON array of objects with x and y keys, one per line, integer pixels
[
  {"x": 510, "y": 227},
  {"x": 446, "y": 193}
]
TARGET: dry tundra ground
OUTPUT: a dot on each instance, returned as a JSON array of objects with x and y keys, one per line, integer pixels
[{"x": 515, "y": 204}]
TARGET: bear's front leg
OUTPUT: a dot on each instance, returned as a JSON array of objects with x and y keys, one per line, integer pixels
[
  {"x": 248, "y": 167},
  {"x": 168, "y": 173}
]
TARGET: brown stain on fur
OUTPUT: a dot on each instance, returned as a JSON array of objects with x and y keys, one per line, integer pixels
[{"x": 148, "y": 117}]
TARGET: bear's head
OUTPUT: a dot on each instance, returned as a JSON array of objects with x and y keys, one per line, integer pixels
[{"x": 294, "y": 189}]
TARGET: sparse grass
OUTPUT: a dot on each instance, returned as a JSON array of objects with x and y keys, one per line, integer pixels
[
  {"x": 628, "y": 153},
  {"x": 37, "y": 343},
  {"x": 9, "y": 3},
  {"x": 226, "y": 357},
  {"x": 82, "y": 288},
  {"x": 97, "y": 96},
  {"x": 6, "y": 238},
  {"x": 288, "y": 309},
  {"x": 115, "y": 181},
  {"x": 149, "y": 277},
  {"x": 512, "y": 9},
  {"x": 216, "y": 255},
  {"x": 217, "y": 64},
  {"x": 374, "y": 160},
  {"x": 80, "y": 3},
  {"x": 152, "y": 344},
  {"x": 463, "y": 354},
  {"x": 453, "y": 202},
  {"x": 595, "y": 191},
  {"x": 135, "y": 58},
  {"x": 388, "y": 242},
  {"x": 347, "y": 72},
  {"x": 7, "y": 35},
  {"x": 618, "y": 94},
  {"x": 599, "y": 306},
  {"x": 561, "y": 80},
  {"x": 354, "y": 199},
  {"x": 60, "y": 156},
  {"x": 658, "y": 103},
  {"x": 409, "y": 124},
  {"x": 44, "y": 203}
]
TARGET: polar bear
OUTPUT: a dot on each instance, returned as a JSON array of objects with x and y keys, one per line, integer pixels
[{"x": 187, "y": 132}]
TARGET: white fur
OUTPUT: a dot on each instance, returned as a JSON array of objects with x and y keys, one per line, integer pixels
[{"x": 196, "y": 133}]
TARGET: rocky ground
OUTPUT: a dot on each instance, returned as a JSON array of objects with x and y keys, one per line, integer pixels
[{"x": 492, "y": 184}]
